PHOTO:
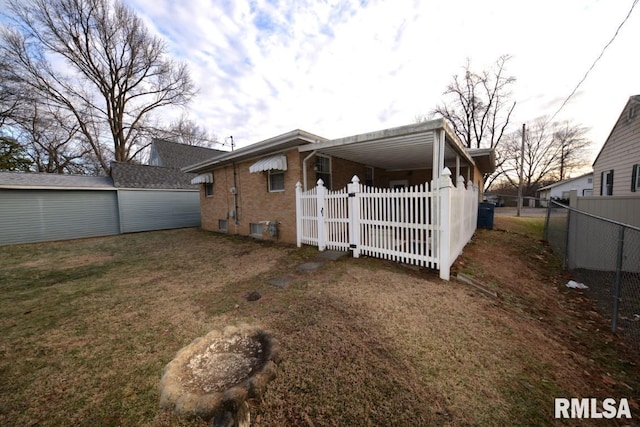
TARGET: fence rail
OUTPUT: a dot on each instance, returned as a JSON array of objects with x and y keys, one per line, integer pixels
[
  {"x": 396, "y": 224},
  {"x": 425, "y": 225},
  {"x": 605, "y": 256}
]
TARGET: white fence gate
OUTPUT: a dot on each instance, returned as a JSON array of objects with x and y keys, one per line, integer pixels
[{"x": 425, "y": 225}]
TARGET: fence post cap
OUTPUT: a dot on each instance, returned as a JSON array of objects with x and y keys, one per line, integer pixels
[
  {"x": 320, "y": 181},
  {"x": 298, "y": 184},
  {"x": 355, "y": 179},
  {"x": 446, "y": 171}
]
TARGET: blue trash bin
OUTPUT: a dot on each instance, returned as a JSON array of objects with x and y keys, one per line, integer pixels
[{"x": 485, "y": 215}]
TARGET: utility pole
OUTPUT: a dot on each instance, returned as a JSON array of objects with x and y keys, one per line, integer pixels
[{"x": 521, "y": 169}]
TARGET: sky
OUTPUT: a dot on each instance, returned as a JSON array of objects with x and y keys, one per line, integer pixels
[{"x": 343, "y": 67}]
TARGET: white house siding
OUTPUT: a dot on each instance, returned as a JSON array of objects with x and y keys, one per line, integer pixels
[
  {"x": 620, "y": 152},
  {"x": 583, "y": 186},
  {"x": 28, "y": 216},
  {"x": 145, "y": 210}
]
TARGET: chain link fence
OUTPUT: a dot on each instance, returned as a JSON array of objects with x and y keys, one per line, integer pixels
[{"x": 604, "y": 255}]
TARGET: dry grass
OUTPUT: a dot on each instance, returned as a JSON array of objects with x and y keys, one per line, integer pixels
[{"x": 88, "y": 325}]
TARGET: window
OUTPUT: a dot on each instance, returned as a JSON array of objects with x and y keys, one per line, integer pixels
[
  {"x": 398, "y": 184},
  {"x": 606, "y": 183},
  {"x": 369, "y": 176},
  {"x": 635, "y": 178},
  {"x": 276, "y": 180},
  {"x": 255, "y": 229},
  {"x": 323, "y": 170},
  {"x": 208, "y": 189},
  {"x": 589, "y": 180}
]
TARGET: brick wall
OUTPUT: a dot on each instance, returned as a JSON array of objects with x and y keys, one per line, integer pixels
[{"x": 255, "y": 202}]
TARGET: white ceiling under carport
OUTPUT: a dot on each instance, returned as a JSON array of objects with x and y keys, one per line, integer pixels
[{"x": 403, "y": 148}]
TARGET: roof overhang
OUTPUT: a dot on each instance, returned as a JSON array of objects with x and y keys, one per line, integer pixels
[
  {"x": 485, "y": 159},
  {"x": 402, "y": 148},
  {"x": 271, "y": 146}
]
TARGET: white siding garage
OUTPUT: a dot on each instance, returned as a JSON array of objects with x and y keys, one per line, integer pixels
[
  {"x": 37, "y": 207},
  {"x": 145, "y": 210},
  {"x": 28, "y": 216}
]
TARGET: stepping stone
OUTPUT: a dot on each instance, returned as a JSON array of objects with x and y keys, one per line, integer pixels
[
  {"x": 310, "y": 266},
  {"x": 332, "y": 255},
  {"x": 280, "y": 282}
]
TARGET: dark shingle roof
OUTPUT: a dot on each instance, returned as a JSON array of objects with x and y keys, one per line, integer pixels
[
  {"x": 129, "y": 175},
  {"x": 175, "y": 155},
  {"x": 53, "y": 180}
]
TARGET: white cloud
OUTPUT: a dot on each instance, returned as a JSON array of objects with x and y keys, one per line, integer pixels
[{"x": 337, "y": 67}]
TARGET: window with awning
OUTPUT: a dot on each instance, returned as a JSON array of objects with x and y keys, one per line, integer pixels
[{"x": 278, "y": 162}]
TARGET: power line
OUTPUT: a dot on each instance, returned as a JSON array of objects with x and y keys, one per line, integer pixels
[{"x": 596, "y": 61}]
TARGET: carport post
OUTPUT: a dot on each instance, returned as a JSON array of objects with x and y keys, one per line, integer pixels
[
  {"x": 353, "y": 189},
  {"x": 444, "y": 223},
  {"x": 321, "y": 194},
  {"x": 299, "y": 214}
]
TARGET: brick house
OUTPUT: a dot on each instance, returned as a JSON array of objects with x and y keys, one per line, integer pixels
[{"x": 251, "y": 191}]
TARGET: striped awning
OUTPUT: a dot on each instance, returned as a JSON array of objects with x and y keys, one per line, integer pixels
[
  {"x": 203, "y": 178},
  {"x": 278, "y": 162}
]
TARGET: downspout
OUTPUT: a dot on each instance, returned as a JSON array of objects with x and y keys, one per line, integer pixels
[
  {"x": 235, "y": 195},
  {"x": 304, "y": 168}
]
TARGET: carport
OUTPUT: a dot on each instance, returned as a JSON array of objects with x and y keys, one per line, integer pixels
[
  {"x": 429, "y": 145},
  {"x": 426, "y": 224}
]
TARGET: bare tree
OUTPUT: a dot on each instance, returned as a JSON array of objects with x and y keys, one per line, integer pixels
[
  {"x": 551, "y": 150},
  {"x": 478, "y": 106},
  {"x": 96, "y": 59},
  {"x": 9, "y": 97},
  {"x": 187, "y": 131},
  {"x": 573, "y": 147},
  {"x": 52, "y": 140}
]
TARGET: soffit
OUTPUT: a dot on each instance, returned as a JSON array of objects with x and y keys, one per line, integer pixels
[{"x": 406, "y": 152}]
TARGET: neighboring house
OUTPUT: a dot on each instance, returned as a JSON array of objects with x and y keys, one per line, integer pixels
[
  {"x": 36, "y": 207},
  {"x": 174, "y": 155},
  {"x": 561, "y": 190},
  {"x": 252, "y": 190},
  {"x": 616, "y": 168}
]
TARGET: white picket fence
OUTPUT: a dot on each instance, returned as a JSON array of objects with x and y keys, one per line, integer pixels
[{"x": 425, "y": 225}]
